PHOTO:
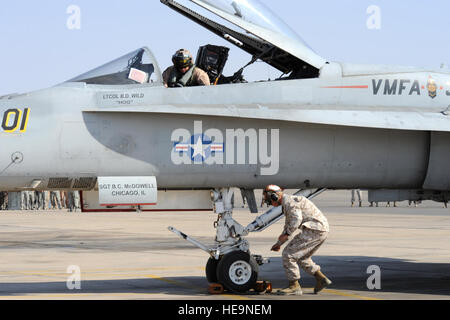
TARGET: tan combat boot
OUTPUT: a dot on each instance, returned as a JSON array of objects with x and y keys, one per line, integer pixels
[
  {"x": 294, "y": 289},
  {"x": 321, "y": 282}
]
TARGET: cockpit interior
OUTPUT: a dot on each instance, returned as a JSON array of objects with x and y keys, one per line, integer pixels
[{"x": 259, "y": 32}]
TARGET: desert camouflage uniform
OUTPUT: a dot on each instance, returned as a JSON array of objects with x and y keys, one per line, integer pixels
[
  {"x": 40, "y": 200},
  {"x": 358, "y": 193},
  {"x": 74, "y": 200},
  {"x": 302, "y": 214},
  {"x": 55, "y": 199},
  {"x": 32, "y": 200},
  {"x": 23, "y": 200},
  {"x": 199, "y": 77},
  {"x": 3, "y": 200}
]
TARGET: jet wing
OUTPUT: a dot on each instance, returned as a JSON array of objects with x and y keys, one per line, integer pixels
[{"x": 253, "y": 17}]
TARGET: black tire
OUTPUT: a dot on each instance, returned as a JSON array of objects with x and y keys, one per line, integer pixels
[
  {"x": 237, "y": 271},
  {"x": 211, "y": 270}
]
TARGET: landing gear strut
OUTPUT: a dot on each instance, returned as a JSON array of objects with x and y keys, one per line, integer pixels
[{"x": 231, "y": 264}]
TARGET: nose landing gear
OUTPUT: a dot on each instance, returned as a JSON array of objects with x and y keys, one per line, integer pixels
[
  {"x": 231, "y": 264},
  {"x": 237, "y": 271}
]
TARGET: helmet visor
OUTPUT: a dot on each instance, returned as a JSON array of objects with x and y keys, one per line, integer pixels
[{"x": 182, "y": 60}]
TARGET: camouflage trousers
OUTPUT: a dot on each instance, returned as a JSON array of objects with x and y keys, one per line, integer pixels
[{"x": 299, "y": 252}]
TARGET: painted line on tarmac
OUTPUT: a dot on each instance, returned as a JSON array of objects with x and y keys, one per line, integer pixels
[
  {"x": 188, "y": 286},
  {"x": 348, "y": 295}
]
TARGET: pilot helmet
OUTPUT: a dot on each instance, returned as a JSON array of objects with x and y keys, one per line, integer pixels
[{"x": 182, "y": 59}]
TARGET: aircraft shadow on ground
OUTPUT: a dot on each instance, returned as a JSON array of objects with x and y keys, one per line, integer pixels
[
  {"x": 351, "y": 273},
  {"x": 346, "y": 272}
]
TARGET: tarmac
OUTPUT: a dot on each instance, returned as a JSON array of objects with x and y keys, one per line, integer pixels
[{"x": 118, "y": 256}]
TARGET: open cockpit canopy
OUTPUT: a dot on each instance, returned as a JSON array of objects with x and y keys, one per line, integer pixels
[
  {"x": 137, "y": 67},
  {"x": 261, "y": 33}
]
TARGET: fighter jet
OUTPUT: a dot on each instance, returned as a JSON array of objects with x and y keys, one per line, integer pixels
[{"x": 321, "y": 124}]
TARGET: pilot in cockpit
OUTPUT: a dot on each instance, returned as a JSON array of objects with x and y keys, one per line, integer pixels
[{"x": 184, "y": 73}]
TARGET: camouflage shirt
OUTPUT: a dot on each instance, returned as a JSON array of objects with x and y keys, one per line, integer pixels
[
  {"x": 199, "y": 77},
  {"x": 301, "y": 212}
]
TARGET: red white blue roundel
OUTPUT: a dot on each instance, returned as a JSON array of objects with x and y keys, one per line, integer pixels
[{"x": 200, "y": 147}]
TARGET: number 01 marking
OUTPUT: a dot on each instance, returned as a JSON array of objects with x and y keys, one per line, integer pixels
[{"x": 14, "y": 119}]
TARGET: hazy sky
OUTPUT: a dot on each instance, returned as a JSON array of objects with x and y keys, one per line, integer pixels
[{"x": 38, "y": 50}]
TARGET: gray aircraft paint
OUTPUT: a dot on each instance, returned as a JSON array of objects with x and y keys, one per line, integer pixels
[{"x": 335, "y": 131}]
